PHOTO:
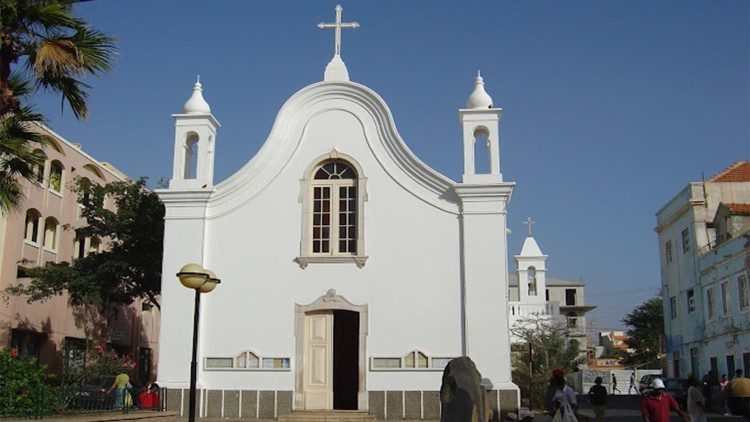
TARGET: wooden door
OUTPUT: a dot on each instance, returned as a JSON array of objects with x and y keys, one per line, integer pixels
[{"x": 318, "y": 365}]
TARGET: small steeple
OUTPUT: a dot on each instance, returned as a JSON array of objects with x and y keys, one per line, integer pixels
[
  {"x": 479, "y": 98},
  {"x": 196, "y": 104},
  {"x": 530, "y": 248}
]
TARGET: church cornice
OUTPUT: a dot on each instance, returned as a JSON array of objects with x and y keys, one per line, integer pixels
[{"x": 385, "y": 143}]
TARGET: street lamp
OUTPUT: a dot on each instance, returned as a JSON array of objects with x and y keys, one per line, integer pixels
[{"x": 195, "y": 277}]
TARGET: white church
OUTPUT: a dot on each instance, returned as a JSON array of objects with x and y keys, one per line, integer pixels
[{"x": 359, "y": 272}]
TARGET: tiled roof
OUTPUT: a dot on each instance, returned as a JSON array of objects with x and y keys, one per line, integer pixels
[
  {"x": 738, "y": 209},
  {"x": 737, "y": 172}
]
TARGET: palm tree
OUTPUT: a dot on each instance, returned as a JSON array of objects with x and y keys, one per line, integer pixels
[{"x": 43, "y": 46}]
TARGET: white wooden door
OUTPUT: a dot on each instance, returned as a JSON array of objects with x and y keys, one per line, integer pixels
[{"x": 318, "y": 365}]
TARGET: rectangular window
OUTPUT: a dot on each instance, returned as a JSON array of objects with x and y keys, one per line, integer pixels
[
  {"x": 570, "y": 297},
  {"x": 744, "y": 300},
  {"x": 74, "y": 355},
  {"x": 546, "y": 295},
  {"x": 28, "y": 343},
  {"x": 347, "y": 219},
  {"x": 713, "y": 362},
  {"x": 694, "y": 362},
  {"x": 673, "y": 307},
  {"x": 710, "y": 303},
  {"x": 219, "y": 362},
  {"x": 730, "y": 365},
  {"x": 685, "y": 240},
  {"x": 745, "y": 363},
  {"x": 691, "y": 300},
  {"x": 321, "y": 219},
  {"x": 144, "y": 365},
  {"x": 276, "y": 363},
  {"x": 676, "y": 364},
  {"x": 725, "y": 297},
  {"x": 668, "y": 251}
]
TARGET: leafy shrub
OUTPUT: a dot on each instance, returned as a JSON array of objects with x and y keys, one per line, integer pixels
[{"x": 25, "y": 388}]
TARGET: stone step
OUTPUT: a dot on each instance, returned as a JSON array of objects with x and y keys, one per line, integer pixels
[{"x": 327, "y": 416}]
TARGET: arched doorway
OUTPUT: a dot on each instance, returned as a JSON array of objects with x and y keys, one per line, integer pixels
[{"x": 330, "y": 368}]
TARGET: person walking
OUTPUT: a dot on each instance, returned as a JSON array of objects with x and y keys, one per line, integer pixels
[
  {"x": 695, "y": 401},
  {"x": 564, "y": 401},
  {"x": 632, "y": 384},
  {"x": 557, "y": 375},
  {"x": 614, "y": 385},
  {"x": 598, "y": 398},
  {"x": 655, "y": 406},
  {"x": 122, "y": 381},
  {"x": 724, "y": 386}
]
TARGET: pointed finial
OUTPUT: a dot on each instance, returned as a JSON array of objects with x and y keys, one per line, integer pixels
[
  {"x": 479, "y": 98},
  {"x": 198, "y": 80}
]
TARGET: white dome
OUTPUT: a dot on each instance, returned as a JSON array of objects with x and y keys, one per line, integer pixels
[
  {"x": 196, "y": 104},
  {"x": 479, "y": 98}
]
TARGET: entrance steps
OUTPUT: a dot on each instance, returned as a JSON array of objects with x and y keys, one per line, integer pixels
[{"x": 327, "y": 416}]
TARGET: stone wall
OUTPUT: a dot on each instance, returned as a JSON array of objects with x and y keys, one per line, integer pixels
[
  {"x": 425, "y": 405},
  {"x": 233, "y": 404},
  {"x": 254, "y": 404}
]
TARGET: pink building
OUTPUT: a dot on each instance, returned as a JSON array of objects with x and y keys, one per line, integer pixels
[{"x": 43, "y": 230}]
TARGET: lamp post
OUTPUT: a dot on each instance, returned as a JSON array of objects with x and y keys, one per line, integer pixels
[{"x": 195, "y": 277}]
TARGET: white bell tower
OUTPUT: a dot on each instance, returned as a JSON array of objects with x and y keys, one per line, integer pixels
[
  {"x": 194, "y": 142},
  {"x": 532, "y": 271},
  {"x": 481, "y": 127}
]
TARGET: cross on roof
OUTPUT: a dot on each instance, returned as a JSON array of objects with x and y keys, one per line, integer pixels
[
  {"x": 529, "y": 221},
  {"x": 337, "y": 26}
]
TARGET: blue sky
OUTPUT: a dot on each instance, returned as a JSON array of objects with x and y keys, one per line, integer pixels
[{"x": 610, "y": 108}]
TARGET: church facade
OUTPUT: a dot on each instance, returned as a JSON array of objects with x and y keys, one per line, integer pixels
[{"x": 351, "y": 272}]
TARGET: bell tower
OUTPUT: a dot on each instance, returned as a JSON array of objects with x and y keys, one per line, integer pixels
[
  {"x": 194, "y": 142},
  {"x": 531, "y": 269},
  {"x": 481, "y": 127}
]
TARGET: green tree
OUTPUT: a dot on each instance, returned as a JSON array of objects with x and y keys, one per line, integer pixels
[
  {"x": 543, "y": 346},
  {"x": 18, "y": 157},
  {"x": 645, "y": 333},
  {"x": 43, "y": 46},
  {"x": 128, "y": 268}
]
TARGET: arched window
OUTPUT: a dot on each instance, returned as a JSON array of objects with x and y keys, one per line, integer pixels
[
  {"x": 481, "y": 151},
  {"x": 50, "y": 233},
  {"x": 32, "y": 226},
  {"x": 334, "y": 203},
  {"x": 415, "y": 359},
  {"x": 39, "y": 169},
  {"x": 531, "y": 276},
  {"x": 55, "y": 176},
  {"x": 333, "y": 196},
  {"x": 191, "y": 156}
]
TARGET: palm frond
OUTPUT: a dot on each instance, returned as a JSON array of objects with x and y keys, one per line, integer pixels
[
  {"x": 72, "y": 90},
  {"x": 11, "y": 193},
  {"x": 50, "y": 14},
  {"x": 21, "y": 86},
  {"x": 55, "y": 56},
  {"x": 95, "y": 49},
  {"x": 18, "y": 155}
]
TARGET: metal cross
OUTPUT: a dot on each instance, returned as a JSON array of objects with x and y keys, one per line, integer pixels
[
  {"x": 337, "y": 26},
  {"x": 529, "y": 221}
]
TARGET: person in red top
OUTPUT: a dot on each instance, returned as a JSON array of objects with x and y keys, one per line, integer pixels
[{"x": 655, "y": 407}]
